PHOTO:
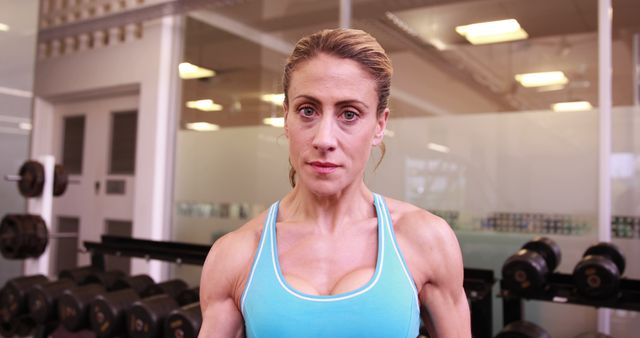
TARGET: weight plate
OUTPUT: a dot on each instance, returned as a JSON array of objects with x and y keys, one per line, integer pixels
[
  {"x": 184, "y": 322},
  {"x": 146, "y": 317},
  {"x": 31, "y": 179},
  {"x": 60, "y": 180},
  {"x": 596, "y": 277},
  {"x": 107, "y": 312},
  {"x": 549, "y": 249},
  {"x": 9, "y": 237},
  {"x": 43, "y": 300},
  {"x": 73, "y": 306},
  {"x": 77, "y": 275},
  {"x": 138, "y": 283},
  {"x": 523, "y": 329},
  {"x": 609, "y": 250},
  {"x": 525, "y": 272}
]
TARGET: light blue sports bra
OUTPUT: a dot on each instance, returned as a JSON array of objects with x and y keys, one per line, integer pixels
[{"x": 386, "y": 306}]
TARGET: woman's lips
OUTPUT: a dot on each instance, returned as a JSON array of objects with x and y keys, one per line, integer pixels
[{"x": 323, "y": 167}]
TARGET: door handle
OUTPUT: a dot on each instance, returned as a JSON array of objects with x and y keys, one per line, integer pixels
[{"x": 97, "y": 187}]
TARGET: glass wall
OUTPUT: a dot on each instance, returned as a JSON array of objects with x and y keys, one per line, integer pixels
[
  {"x": 476, "y": 135},
  {"x": 18, "y": 23}
]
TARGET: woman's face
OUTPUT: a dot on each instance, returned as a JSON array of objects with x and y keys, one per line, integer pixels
[{"x": 331, "y": 122}]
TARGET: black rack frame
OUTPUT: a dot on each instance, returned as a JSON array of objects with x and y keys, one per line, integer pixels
[
  {"x": 478, "y": 285},
  {"x": 562, "y": 290},
  {"x": 176, "y": 252}
]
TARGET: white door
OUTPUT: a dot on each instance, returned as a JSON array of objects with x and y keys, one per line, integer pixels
[{"x": 96, "y": 142}]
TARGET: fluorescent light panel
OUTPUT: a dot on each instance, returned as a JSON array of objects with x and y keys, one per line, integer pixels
[
  {"x": 4, "y": 27},
  {"x": 277, "y": 99},
  {"x": 492, "y": 31},
  {"x": 542, "y": 79},
  {"x": 190, "y": 71},
  {"x": 438, "y": 147},
  {"x": 571, "y": 106},
  {"x": 15, "y": 92},
  {"x": 25, "y": 126},
  {"x": 202, "y": 126},
  {"x": 274, "y": 121},
  {"x": 204, "y": 105}
]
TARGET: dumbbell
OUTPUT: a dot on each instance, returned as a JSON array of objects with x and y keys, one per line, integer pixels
[
  {"x": 597, "y": 274},
  {"x": 42, "y": 299},
  {"x": 108, "y": 311},
  {"x": 522, "y": 329},
  {"x": 78, "y": 275},
  {"x": 146, "y": 317},
  {"x": 184, "y": 322},
  {"x": 108, "y": 279},
  {"x": 189, "y": 296},
  {"x": 593, "y": 335},
  {"x": 23, "y": 236},
  {"x": 13, "y": 298},
  {"x": 73, "y": 305},
  {"x": 527, "y": 271},
  {"x": 31, "y": 179},
  {"x": 21, "y": 326}
]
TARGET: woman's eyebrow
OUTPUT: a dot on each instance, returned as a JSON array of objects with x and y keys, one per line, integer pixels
[
  {"x": 339, "y": 103},
  {"x": 308, "y": 97},
  {"x": 351, "y": 102}
]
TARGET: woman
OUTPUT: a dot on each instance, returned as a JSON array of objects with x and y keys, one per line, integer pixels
[{"x": 333, "y": 259}]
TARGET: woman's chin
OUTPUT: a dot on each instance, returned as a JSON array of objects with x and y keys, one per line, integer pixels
[{"x": 323, "y": 188}]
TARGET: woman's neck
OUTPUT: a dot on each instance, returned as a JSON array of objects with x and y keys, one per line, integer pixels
[{"x": 327, "y": 213}]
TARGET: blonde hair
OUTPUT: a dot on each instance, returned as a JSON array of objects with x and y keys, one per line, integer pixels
[{"x": 352, "y": 44}]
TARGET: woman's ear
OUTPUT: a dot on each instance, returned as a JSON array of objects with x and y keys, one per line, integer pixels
[{"x": 381, "y": 124}]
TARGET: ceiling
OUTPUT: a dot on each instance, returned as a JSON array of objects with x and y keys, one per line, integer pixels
[{"x": 459, "y": 79}]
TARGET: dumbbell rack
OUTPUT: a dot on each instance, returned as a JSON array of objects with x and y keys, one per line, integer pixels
[
  {"x": 561, "y": 289},
  {"x": 175, "y": 252},
  {"x": 478, "y": 283}
]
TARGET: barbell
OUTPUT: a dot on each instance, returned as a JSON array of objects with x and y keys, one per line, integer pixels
[{"x": 31, "y": 178}]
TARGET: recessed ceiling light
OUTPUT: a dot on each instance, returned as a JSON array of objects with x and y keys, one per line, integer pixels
[
  {"x": 438, "y": 147},
  {"x": 25, "y": 126},
  {"x": 202, "y": 126},
  {"x": 492, "y": 31},
  {"x": 4, "y": 27},
  {"x": 190, "y": 71},
  {"x": 571, "y": 106},
  {"x": 204, "y": 105},
  {"x": 277, "y": 99},
  {"x": 274, "y": 121},
  {"x": 542, "y": 79}
]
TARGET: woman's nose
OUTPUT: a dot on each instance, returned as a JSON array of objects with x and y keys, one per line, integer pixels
[{"x": 324, "y": 138}]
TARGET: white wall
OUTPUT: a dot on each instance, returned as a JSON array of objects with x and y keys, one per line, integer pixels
[{"x": 147, "y": 66}]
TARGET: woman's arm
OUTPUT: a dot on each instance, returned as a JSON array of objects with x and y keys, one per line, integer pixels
[
  {"x": 219, "y": 286},
  {"x": 447, "y": 310}
]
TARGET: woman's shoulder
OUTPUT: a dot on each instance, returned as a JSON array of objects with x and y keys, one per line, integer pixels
[
  {"x": 234, "y": 250},
  {"x": 418, "y": 223},
  {"x": 243, "y": 238}
]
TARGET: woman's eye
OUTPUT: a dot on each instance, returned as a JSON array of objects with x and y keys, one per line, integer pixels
[
  {"x": 307, "y": 111},
  {"x": 349, "y": 115}
]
